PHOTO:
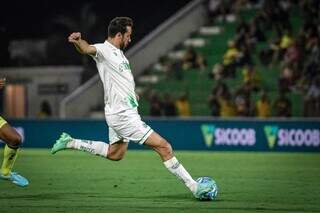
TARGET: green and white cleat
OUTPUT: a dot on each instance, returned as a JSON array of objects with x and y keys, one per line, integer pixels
[{"x": 61, "y": 143}]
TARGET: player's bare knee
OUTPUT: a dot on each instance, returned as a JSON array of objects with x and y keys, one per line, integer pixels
[
  {"x": 120, "y": 156},
  {"x": 115, "y": 157},
  {"x": 15, "y": 140},
  {"x": 112, "y": 155}
]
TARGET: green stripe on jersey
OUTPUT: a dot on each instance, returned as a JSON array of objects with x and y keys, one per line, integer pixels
[{"x": 132, "y": 101}]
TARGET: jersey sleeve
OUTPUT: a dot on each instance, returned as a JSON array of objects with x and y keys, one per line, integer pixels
[{"x": 99, "y": 53}]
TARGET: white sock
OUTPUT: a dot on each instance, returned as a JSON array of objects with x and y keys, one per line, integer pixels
[
  {"x": 93, "y": 147},
  {"x": 180, "y": 172}
]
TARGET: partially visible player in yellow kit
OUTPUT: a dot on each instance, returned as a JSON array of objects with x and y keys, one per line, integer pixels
[{"x": 13, "y": 141}]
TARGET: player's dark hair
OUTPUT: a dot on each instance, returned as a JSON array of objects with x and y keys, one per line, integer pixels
[{"x": 119, "y": 25}]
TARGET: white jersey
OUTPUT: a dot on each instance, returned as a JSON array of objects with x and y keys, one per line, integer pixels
[{"x": 117, "y": 78}]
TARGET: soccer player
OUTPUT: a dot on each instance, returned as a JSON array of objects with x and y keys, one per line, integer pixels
[
  {"x": 121, "y": 104},
  {"x": 13, "y": 141}
]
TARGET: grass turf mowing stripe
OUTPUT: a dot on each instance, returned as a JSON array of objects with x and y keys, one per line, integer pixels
[{"x": 72, "y": 181}]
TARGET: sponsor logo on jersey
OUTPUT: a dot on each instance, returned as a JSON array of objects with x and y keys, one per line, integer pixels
[{"x": 124, "y": 66}]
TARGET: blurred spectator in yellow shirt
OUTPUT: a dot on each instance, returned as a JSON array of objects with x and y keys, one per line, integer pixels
[
  {"x": 263, "y": 106},
  {"x": 286, "y": 40},
  {"x": 227, "y": 108},
  {"x": 251, "y": 77},
  {"x": 232, "y": 54},
  {"x": 183, "y": 106},
  {"x": 45, "y": 110},
  {"x": 231, "y": 59}
]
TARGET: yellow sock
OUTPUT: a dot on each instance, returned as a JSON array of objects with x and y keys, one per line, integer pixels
[{"x": 9, "y": 157}]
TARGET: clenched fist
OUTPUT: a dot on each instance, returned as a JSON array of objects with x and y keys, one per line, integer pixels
[{"x": 74, "y": 37}]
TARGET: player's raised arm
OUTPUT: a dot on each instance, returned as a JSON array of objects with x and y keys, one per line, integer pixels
[{"x": 81, "y": 45}]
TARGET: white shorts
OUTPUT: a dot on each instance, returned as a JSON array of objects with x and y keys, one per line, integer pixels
[{"x": 127, "y": 126}]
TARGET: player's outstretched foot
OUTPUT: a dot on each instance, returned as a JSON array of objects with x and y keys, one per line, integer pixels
[
  {"x": 15, "y": 178},
  {"x": 61, "y": 143},
  {"x": 202, "y": 191}
]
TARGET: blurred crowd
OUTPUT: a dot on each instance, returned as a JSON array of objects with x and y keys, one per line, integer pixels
[
  {"x": 297, "y": 56},
  {"x": 294, "y": 53},
  {"x": 167, "y": 105}
]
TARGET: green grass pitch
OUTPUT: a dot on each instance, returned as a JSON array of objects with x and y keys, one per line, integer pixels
[{"x": 73, "y": 181}]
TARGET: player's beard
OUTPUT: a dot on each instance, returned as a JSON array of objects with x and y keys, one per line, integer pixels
[{"x": 123, "y": 45}]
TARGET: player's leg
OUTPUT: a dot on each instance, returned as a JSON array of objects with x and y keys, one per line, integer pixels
[
  {"x": 93, "y": 147},
  {"x": 160, "y": 145},
  {"x": 130, "y": 126},
  {"x": 113, "y": 151},
  {"x": 164, "y": 149},
  {"x": 118, "y": 145},
  {"x": 13, "y": 141},
  {"x": 117, "y": 150}
]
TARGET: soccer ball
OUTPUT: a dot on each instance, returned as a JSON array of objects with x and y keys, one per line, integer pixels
[{"x": 211, "y": 188}]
